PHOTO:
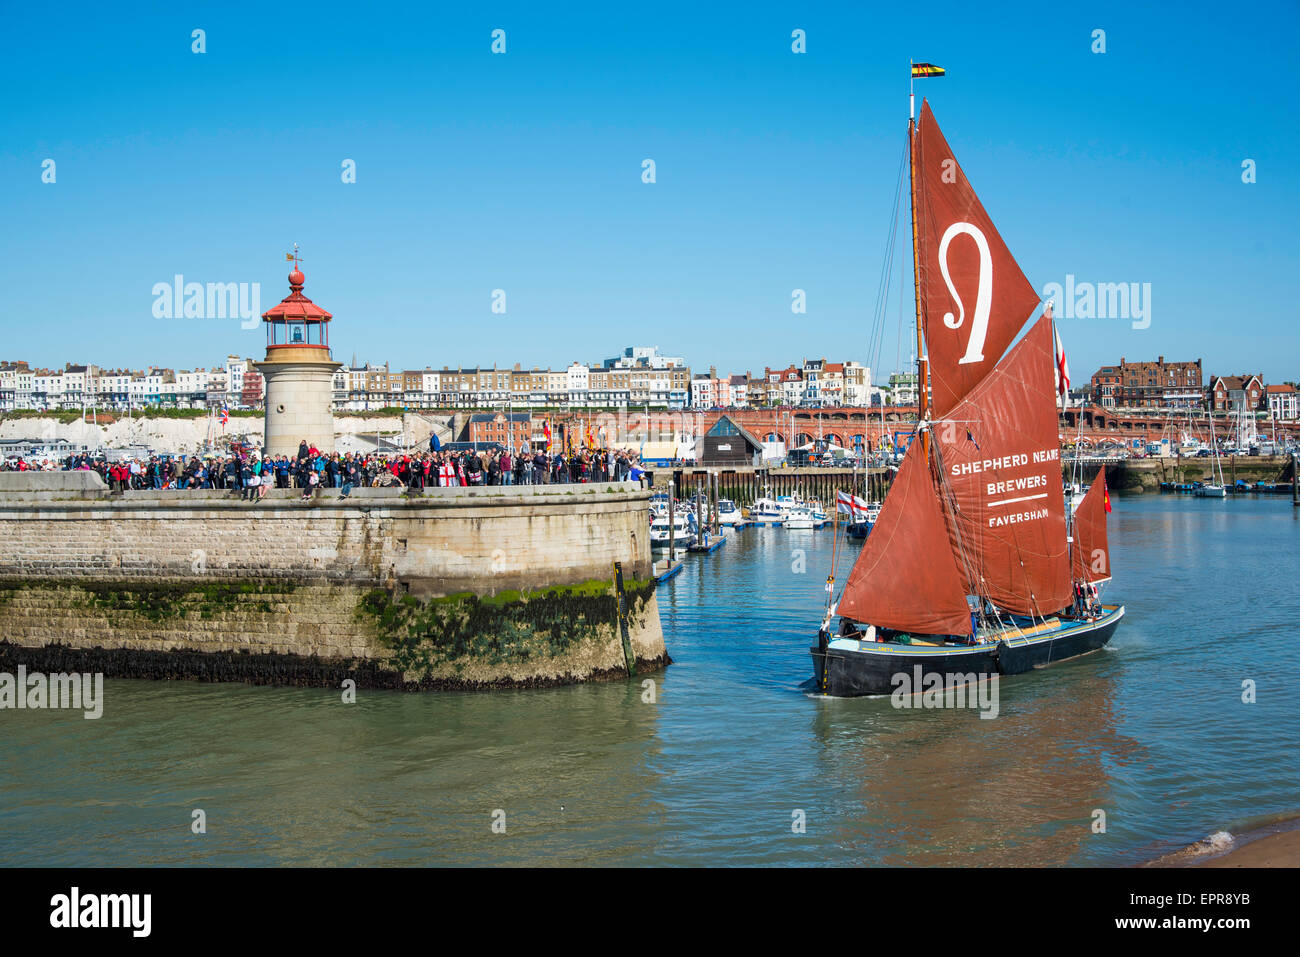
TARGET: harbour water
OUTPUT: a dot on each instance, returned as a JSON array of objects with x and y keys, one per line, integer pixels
[{"x": 733, "y": 750}]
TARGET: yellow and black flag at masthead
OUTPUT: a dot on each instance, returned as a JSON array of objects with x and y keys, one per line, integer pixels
[{"x": 926, "y": 69}]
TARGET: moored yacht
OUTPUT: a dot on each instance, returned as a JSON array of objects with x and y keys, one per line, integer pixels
[
  {"x": 682, "y": 528},
  {"x": 729, "y": 513},
  {"x": 659, "y": 504},
  {"x": 800, "y": 517},
  {"x": 765, "y": 511}
]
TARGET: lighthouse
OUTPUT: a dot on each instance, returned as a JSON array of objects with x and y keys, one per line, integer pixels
[{"x": 299, "y": 372}]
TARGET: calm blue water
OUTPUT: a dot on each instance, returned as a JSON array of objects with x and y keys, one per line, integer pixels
[{"x": 1152, "y": 731}]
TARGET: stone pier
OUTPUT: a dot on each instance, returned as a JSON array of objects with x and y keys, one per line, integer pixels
[{"x": 451, "y": 589}]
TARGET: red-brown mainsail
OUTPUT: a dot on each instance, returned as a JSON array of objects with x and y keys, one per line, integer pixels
[
  {"x": 1000, "y": 457},
  {"x": 974, "y": 297}
]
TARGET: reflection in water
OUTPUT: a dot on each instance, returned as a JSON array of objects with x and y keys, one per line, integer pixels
[
  {"x": 939, "y": 786},
  {"x": 1152, "y": 730}
]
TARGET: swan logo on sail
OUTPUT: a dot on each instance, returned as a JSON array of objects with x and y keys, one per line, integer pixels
[{"x": 983, "y": 297}]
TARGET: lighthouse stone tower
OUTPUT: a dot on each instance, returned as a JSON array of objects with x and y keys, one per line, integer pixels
[{"x": 299, "y": 373}]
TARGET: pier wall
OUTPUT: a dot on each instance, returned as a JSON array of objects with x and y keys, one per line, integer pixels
[
  {"x": 454, "y": 588},
  {"x": 1145, "y": 475}
]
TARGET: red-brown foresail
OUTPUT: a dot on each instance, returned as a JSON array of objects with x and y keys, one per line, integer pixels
[
  {"x": 905, "y": 576},
  {"x": 1091, "y": 550}
]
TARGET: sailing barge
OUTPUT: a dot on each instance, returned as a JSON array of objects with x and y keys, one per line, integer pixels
[{"x": 974, "y": 567}]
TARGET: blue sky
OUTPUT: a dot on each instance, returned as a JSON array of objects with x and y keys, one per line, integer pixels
[{"x": 522, "y": 172}]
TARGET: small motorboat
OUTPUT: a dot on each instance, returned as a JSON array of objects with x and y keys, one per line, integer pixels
[
  {"x": 729, "y": 513},
  {"x": 765, "y": 511},
  {"x": 683, "y": 531},
  {"x": 800, "y": 516}
]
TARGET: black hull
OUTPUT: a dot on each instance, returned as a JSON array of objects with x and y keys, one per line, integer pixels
[{"x": 851, "y": 674}]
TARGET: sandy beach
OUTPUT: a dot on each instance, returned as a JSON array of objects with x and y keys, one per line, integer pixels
[{"x": 1273, "y": 850}]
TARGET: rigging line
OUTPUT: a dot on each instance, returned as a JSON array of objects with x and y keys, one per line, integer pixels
[
  {"x": 898, "y": 351},
  {"x": 881, "y": 305},
  {"x": 877, "y": 323}
]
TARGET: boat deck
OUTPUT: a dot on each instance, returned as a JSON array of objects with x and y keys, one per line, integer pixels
[{"x": 1020, "y": 633}]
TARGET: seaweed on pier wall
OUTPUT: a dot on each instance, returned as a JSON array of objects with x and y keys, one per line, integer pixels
[
  {"x": 159, "y": 601},
  {"x": 510, "y": 628},
  {"x": 272, "y": 631}
]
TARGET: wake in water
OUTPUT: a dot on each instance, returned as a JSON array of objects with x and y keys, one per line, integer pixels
[{"x": 1216, "y": 845}]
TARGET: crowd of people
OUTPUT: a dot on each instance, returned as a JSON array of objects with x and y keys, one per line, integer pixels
[{"x": 312, "y": 469}]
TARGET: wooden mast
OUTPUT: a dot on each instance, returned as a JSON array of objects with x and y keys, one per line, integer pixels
[{"x": 922, "y": 367}]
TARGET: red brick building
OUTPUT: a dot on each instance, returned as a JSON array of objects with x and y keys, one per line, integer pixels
[
  {"x": 512, "y": 430},
  {"x": 1149, "y": 385},
  {"x": 251, "y": 396},
  {"x": 1229, "y": 392}
]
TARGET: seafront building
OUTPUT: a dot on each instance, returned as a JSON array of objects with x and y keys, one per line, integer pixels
[
  {"x": 1149, "y": 385},
  {"x": 641, "y": 378}
]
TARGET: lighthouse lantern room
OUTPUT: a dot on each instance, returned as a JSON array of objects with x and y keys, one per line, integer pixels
[{"x": 296, "y": 321}]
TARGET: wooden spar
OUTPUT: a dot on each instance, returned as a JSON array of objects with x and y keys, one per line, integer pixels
[
  {"x": 672, "y": 518},
  {"x": 701, "y": 530},
  {"x": 922, "y": 367},
  {"x": 717, "y": 493}
]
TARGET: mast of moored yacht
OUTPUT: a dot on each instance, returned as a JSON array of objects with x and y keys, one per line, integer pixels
[{"x": 922, "y": 370}]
